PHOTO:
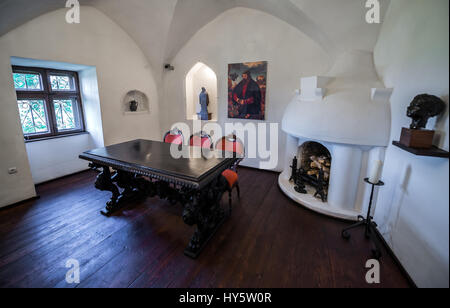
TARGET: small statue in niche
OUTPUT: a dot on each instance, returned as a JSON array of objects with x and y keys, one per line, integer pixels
[
  {"x": 423, "y": 108},
  {"x": 134, "y": 106},
  {"x": 204, "y": 103}
]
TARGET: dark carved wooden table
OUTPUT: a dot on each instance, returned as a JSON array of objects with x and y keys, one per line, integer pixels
[{"x": 147, "y": 169}]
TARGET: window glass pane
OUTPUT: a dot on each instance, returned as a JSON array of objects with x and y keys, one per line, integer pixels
[
  {"x": 61, "y": 83},
  {"x": 20, "y": 81},
  {"x": 33, "y": 82},
  {"x": 66, "y": 112},
  {"x": 33, "y": 116},
  {"x": 27, "y": 81}
]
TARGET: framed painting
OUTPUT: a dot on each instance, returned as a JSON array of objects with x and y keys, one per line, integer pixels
[{"x": 247, "y": 90}]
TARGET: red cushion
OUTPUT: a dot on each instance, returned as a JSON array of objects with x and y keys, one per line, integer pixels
[
  {"x": 204, "y": 142},
  {"x": 233, "y": 147},
  {"x": 231, "y": 176},
  {"x": 175, "y": 139}
]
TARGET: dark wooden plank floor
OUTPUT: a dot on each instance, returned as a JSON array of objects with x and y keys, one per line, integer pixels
[{"x": 268, "y": 242}]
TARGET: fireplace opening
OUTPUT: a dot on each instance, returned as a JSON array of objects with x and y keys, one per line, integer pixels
[
  {"x": 314, "y": 166},
  {"x": 315, "y": 157}
]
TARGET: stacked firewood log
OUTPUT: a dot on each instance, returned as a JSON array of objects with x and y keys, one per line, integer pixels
[{"x": 320, "y": 163}]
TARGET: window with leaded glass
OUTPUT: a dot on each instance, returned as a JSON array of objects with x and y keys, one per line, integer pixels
[
  {"x": 67, "y": 114},
  {"x": 33, "y": 116},
  {"x": 27, "y": 82},
  {"x": 62, "y": 83},
  {"x": 49, "y": 102}
]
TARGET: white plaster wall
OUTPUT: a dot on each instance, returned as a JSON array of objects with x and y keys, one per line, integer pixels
[
  {"x": 17, "y": 187},
  {"x": 96, "y": 41},
  {"x": 412, "y": 56},
  {"x": 91, "y": 105},
  {"x": 55, "y": 158},
  {"x": 246, "y": 35}
]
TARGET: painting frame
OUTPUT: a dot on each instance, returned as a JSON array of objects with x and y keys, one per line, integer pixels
[{"x": 247, "y": 89}]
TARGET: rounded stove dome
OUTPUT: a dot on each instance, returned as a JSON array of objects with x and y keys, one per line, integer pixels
[{"x": 353, "y": 109}]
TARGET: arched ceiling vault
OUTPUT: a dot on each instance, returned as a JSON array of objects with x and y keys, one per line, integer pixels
[
  {"x": 162, "y": 28},
  {"x": 191, "y": 15},
  {"x": 146, "y": 21}
]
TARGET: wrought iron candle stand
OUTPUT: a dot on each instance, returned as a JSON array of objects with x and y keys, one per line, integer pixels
[{"x": 368, "y": 223}]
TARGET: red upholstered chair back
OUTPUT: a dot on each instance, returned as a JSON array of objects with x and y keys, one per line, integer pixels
[
  {"x": 174, "y": 137},
  {"x": 231, "y": 144},
  {"x": 234, "y": 145},
  {"x": 202, "y": 140}
]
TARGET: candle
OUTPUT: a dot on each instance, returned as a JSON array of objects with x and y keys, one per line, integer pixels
[{"x": 375, "y": 172}]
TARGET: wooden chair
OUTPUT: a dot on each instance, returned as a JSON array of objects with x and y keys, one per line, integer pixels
[
  {"x": 174, "y": 136},
  {"x": 202, "y": 140},
  {"x": 233, "y": 145}
]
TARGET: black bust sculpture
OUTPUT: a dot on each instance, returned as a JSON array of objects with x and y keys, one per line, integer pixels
[{"x": 424, "y": 107}]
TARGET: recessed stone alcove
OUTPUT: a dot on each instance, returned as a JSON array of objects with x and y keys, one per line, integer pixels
[
  {"x": 138, "y": 96},
  {"x": 200, "y": 76}
]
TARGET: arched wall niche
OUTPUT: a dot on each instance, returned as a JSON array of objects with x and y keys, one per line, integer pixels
[
  {"x": 138, "y": 96},
  {"x": 200, "y": 76}
]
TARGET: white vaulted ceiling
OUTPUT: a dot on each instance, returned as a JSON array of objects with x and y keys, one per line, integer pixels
[
  {"x": 191, "y": 15},
  {"x": 162, "y": 27},
  {"x": 146, "y": 21},
  {"x": 344, "y": 21}
]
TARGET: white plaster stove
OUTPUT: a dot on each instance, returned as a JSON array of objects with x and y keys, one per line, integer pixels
[{"x": 348, "y": 112}]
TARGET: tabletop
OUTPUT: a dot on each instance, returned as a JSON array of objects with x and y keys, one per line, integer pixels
[{"x": 155, "y": 158}]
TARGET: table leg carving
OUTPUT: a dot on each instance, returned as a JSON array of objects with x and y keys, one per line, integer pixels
[
  {"x": 104, "y": 182},
  {"x": 206, "y": 212},
  {"x": 132, "y": 187},
  {"x": 146, "y": 187},
  {"x": 124, "y": 180},
  {"x": 202, "y": 208}
]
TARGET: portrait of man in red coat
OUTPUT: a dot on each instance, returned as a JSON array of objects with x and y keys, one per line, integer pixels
[{"x": 246, "y": 96}]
